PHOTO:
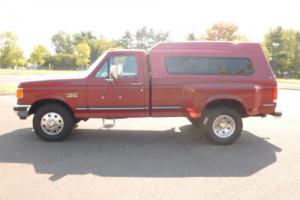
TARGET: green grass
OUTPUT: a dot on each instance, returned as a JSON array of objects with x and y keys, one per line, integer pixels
[
  {"x": 290, "y": 84},
  {"x": 34, "y": 72},
  {"x": 288, "y": 87},
  {"x": 8, "y": 89},
  {"x": 290, "y": 81}
]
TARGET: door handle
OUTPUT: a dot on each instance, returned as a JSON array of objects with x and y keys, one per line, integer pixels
[{"x": 136, "y": 83}]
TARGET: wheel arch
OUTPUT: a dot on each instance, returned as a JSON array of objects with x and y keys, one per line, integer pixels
[
  {"x": 226, "y": 102},
  {"x": 36, "y": 105}
]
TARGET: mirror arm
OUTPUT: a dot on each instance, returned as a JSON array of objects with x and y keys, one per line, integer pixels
[{"x": 109, "y": 79}]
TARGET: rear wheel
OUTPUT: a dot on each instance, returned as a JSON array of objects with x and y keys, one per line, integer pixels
[
  {"x": 53, "y": 122},
  {"x": 223, "y": 125}
]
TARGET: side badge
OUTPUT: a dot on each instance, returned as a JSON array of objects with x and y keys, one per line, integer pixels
[{"x": 72, "y": 95}]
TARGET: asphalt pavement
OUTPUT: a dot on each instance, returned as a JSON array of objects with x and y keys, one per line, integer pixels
[{"x": 152, "y": 158}]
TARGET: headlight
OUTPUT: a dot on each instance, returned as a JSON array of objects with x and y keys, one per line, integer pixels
[{"x": 19, "y": 93}]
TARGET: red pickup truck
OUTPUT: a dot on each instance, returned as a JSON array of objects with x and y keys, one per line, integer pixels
[{"x": 213, "y": 84}]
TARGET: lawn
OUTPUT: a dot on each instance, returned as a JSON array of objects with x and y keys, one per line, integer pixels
[
  {"x": 7, "y": 89},
  {"x": 34, "y": 72},
  {"x": 290, "y": 84},
  {"x": 289, "y": 81},
  {"x": 10, "y": 88}
]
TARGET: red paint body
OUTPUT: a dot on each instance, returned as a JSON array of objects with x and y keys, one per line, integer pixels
[{"x": 154, "y": 92}]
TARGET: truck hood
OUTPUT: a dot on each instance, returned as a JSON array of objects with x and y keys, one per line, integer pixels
[{"x": 49, "y": 81}]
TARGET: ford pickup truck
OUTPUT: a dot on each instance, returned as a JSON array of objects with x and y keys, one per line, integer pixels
[{"x": 213, "y": 84}]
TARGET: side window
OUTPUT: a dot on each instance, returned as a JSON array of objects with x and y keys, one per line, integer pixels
[
  {"x": 219, "y": 66},
  {"x": 103, "y": 72},
  {"x": 231, "y": 66},
  {"x": 187, "y": 65},
  {"x": 241, "y": 67},
  {"x": 208, "y": 66},
  {"x": 125, "y": 66}
]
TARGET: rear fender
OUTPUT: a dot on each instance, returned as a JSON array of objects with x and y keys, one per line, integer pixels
[{"x": 197, "y": 96}]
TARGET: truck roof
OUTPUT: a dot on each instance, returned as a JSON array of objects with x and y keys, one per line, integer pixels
[
  {"x": 201, "y": 45},
  {"x": 126, "y": 50}
]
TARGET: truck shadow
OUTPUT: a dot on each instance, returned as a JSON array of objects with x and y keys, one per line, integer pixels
[{"x": 134, "y": 153}]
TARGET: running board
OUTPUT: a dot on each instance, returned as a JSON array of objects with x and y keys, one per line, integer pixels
[{"x": 108, "y": 123}]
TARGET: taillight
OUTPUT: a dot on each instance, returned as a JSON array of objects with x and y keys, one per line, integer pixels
[{"x": 274, "y": 94}]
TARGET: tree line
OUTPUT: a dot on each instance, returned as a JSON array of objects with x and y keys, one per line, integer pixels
[{"x": 78, "y": 50}]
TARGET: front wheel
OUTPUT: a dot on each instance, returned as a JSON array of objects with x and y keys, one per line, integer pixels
[
  {"x": 223, "y": 125},
  {"x": 53, "y": 122}
]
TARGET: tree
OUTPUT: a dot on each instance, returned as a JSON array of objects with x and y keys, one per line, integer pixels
[
  {"x": 296, "y": 62},
  {"x": 62, "y": 61},
  {"x": 266, "y": 51},
  {"x": 63, "y": 43},
  {"x": 84, "y": 36},
  {"x": 191, "y": 37},
  {"x": 223, "y": 31},
  {"x": 90, "y": 39},
  {"x": 281, "y": 47},
  {"x": 39, "y": 55},
  {"x": 146, "y": 38},
  {"x": 10, "y": 53},
  {"x": 126, "y": 41},
  {"x": 291, "y": 45},
  {"x": 143, "y": 38},
  {"x": 99, "y": 46},
  {"x": 159, "y": 36},
  {"x": 82, "y": 52}
]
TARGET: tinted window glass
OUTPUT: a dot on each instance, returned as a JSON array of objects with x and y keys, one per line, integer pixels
[{"x": 210, "y": 66}]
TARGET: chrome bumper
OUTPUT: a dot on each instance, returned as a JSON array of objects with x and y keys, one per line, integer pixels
[{"x": 22, "y": 110}]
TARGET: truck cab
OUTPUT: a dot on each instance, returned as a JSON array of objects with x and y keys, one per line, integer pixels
[{"x": 118, "y": 87}]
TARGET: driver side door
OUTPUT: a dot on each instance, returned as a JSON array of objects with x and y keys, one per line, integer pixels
[{"x": 122, "y": 97}]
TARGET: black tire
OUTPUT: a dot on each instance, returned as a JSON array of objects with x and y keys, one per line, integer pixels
[
  {"x": 76, "y": 122},
  {"x": 219, "y": 112},
  {"x": 64, "y": 113},
  {"x": 197, "y": 122}
]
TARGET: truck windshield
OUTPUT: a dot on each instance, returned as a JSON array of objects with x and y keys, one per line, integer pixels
[{"x": 92, "y": 67}]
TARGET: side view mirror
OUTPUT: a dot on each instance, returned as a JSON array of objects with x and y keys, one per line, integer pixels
[{"x": 113, "y": 72}]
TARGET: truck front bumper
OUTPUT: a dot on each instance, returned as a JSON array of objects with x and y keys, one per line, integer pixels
[{"x": 22, "y": 110}]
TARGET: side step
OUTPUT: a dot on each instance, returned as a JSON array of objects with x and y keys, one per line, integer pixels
[{"x": 108, "y": 123}]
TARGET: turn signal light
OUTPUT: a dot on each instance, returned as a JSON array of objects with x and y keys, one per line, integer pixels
[{"x": 19, "y": 93}]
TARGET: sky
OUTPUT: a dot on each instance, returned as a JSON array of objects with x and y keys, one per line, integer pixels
[{"x": 35, "y": 21}]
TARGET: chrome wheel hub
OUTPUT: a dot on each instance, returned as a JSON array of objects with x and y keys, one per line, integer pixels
[
  {"x": 52, "y": 123},
  {"x": 224, "y": 126}
]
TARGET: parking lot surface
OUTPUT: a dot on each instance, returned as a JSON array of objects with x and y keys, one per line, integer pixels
[{"x": 152, "y": 158}]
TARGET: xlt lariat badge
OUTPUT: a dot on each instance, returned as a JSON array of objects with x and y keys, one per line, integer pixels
[{"x": 72, "y": 95}]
